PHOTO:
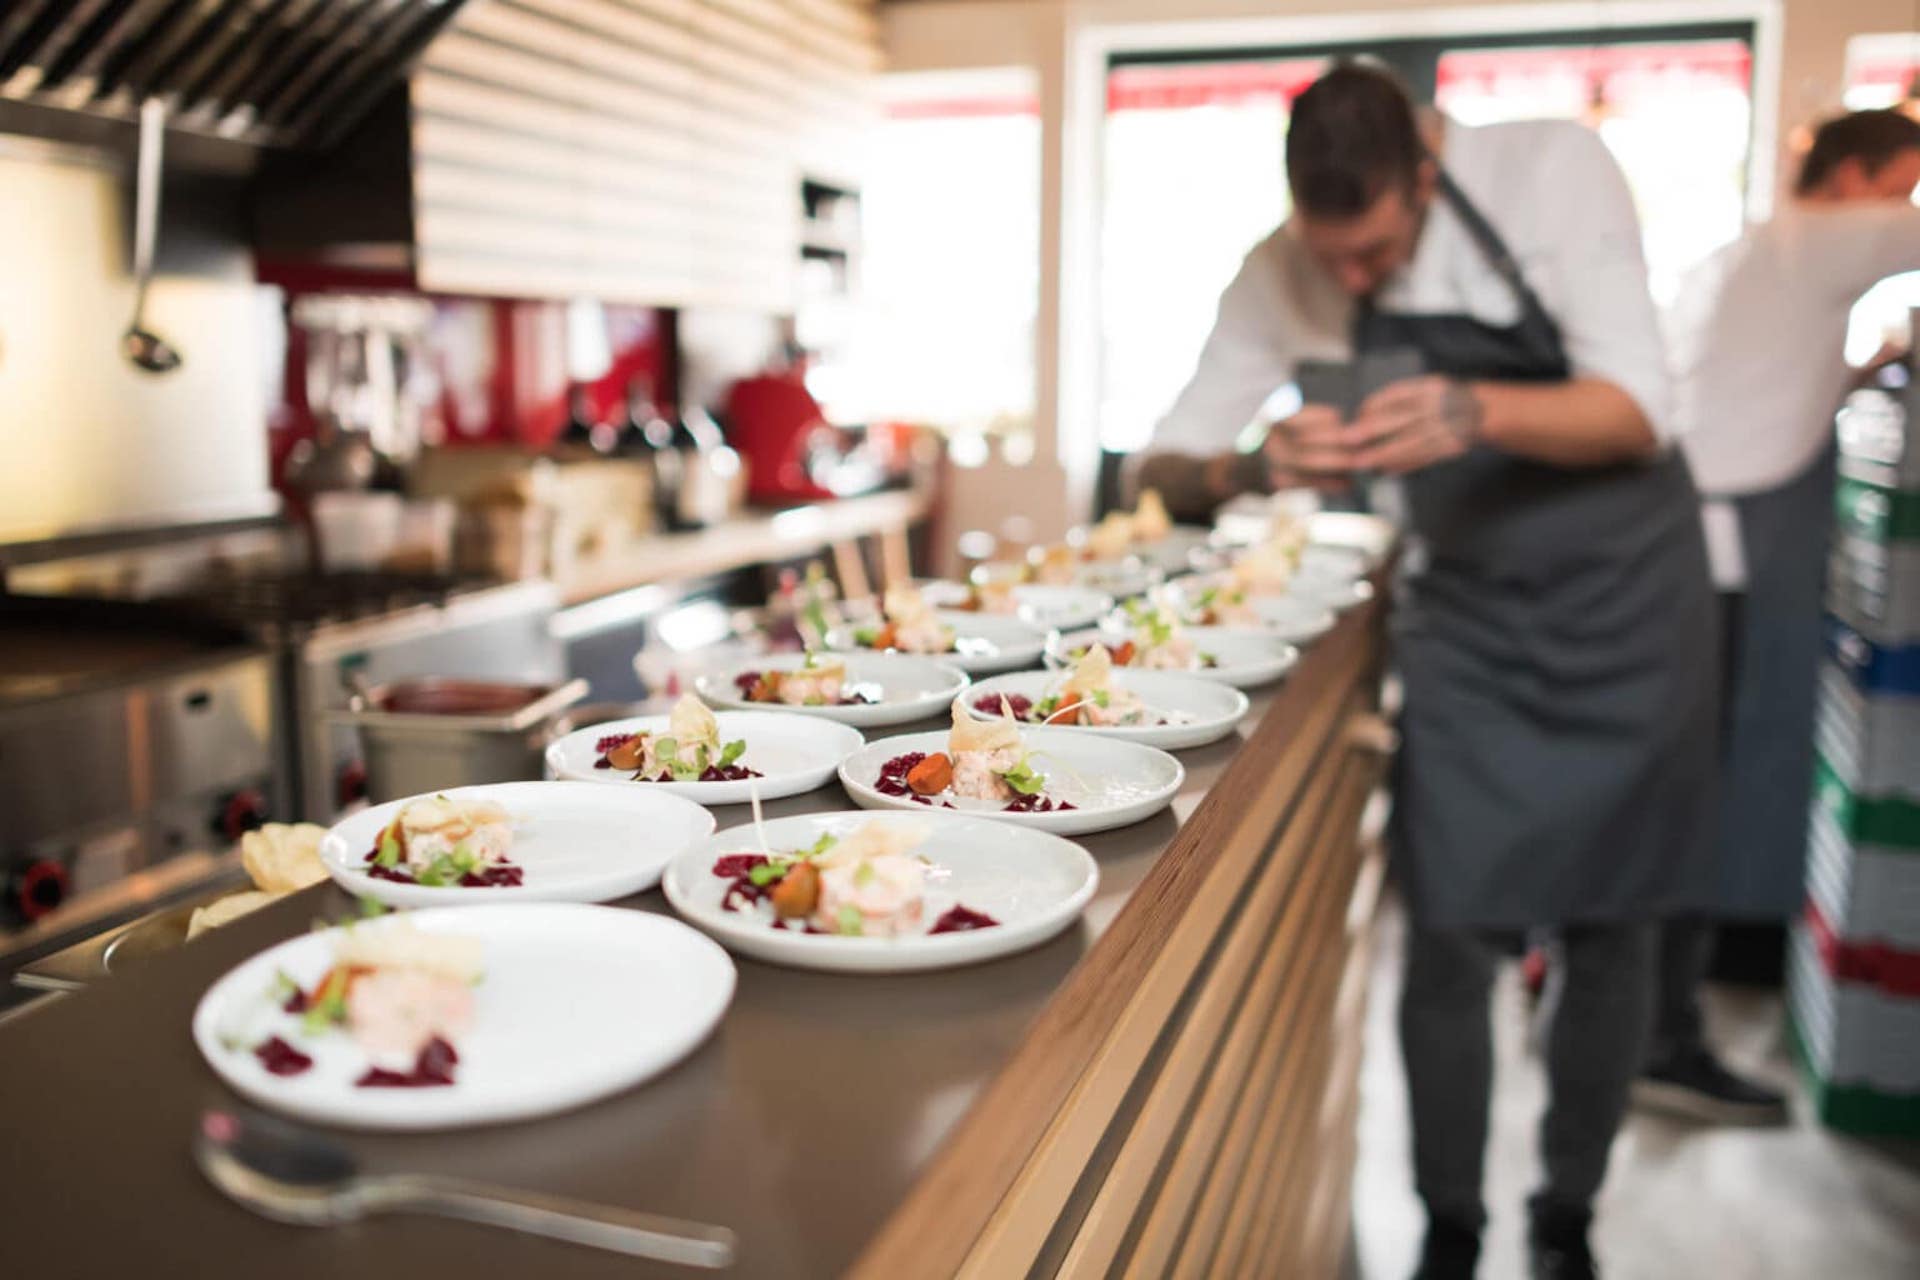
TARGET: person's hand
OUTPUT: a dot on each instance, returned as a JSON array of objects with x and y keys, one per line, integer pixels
[
  {"x": 1310, "y": 448},
  {"x": 1412, "y": 424}
]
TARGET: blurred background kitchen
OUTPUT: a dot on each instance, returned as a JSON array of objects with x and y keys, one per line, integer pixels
[{"x": 490, "y": 343}]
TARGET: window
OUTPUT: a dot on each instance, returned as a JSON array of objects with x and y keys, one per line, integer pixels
[
  {"x": 1194, "y": 171},
  {"x": 1192, "y": 179},
  {"x": 951, "y": 245},
  {"x": 1676, "y": 116}
]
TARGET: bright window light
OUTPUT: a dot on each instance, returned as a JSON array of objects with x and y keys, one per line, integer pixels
[{"x": 950, "y": 282}]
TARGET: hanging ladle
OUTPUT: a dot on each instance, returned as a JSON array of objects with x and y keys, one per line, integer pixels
[{"x": 145, "y": 348}]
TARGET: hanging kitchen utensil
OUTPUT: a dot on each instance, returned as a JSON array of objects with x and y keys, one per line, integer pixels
[{"x": 145, "y": 348}]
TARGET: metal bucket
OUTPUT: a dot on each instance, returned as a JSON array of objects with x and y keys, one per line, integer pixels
[{"x": 427, "y": 735}]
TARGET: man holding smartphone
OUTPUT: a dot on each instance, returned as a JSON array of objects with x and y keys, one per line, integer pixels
[{"x": 1556, "y": 638}]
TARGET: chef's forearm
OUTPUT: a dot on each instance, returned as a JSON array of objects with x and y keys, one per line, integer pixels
[
  {"x": 1586, "y": 422},
  {"x": 1194, "y": 485}
]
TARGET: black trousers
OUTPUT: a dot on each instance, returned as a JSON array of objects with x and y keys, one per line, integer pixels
[{"x": 1686, "y": 942}]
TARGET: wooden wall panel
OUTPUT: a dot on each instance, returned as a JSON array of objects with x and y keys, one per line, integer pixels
[{"x": 645, "y": 151}]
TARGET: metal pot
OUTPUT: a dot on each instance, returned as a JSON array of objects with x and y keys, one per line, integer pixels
[{"x": 428, "y": 735}]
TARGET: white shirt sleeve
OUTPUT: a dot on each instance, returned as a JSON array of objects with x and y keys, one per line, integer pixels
[
  {"x": 1850, "y": 248},
  {"x": 1249, "y": 354},
  {"x": 1594, "y": 282}
]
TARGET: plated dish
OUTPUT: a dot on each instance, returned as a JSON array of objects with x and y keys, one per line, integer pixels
[
  {"x": 1215, "y": 600},
  {"x": 881, "y": 892},
  {"x": 1244, "y": 657},
  {"x": 1043, "y": 607},
  {"x": 1161, "y": 709},
  {"x": 977, "y": 643},
  {"x": 874, "y": 689},
  {"x": 1058, "y": 779},
  {"x": 708, "y": 758},
  {"x": 442, "y": 1018},
  {"x": 512, "y": 842}
]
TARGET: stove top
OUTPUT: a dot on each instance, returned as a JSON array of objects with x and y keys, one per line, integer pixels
[{"x": 259, "y": 600}]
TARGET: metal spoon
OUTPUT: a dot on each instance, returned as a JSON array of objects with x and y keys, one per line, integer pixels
[
  {"x": 294, "y": 1175},
  {"x": 145, "y": 348}
]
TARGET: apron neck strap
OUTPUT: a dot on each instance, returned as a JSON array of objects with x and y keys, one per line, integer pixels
[{"x": 1499, "y": 257}]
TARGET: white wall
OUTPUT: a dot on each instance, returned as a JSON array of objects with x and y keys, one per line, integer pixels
[{"x": 85, "y": 439}]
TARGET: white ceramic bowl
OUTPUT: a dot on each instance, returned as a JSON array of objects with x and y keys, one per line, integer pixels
[
  {"x": 1110, "y": 782},
  {"x": 577, "y": 1002},
  {"x": 574, "y": 842},
  {"x": 1244, "y": 657},
  {"x": 1197, "y": 711},
  {"x": 983, "y": 642},
  {"x": 1034, "y": 884},
  {"x": 906, "y": 688},
  {"x": 794, "y": 753}
]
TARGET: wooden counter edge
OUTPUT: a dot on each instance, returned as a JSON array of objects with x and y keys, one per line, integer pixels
[{"x": 933, "y": 1231}]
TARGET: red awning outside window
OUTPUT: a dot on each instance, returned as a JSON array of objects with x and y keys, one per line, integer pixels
[
  {"x": 1624, "y": 69},
  {"x": 1168, "y": 86}
]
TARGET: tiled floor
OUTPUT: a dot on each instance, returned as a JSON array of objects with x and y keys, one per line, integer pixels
[{"x": 1706, "y": 1204}]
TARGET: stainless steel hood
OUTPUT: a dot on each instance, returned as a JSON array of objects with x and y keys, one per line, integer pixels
[{"x": 283, "y": 73}]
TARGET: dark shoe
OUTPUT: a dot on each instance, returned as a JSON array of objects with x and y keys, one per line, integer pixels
[
  {"x": 1693, "y": 1085},
  {"x": 1557, "y": 1242},
  {"x": 1451, "y": 1251}
]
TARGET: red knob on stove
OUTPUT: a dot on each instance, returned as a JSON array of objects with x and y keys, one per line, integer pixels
[
  {"x": 38, "y": 887},
  {"x": 241, "y": 812},
  {"x": 351, "y": 785}
]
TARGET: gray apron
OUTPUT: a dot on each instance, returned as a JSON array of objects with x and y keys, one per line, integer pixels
[
  {"x": 1559, "y": 655},
  {"x": 1767, "y": 758}
]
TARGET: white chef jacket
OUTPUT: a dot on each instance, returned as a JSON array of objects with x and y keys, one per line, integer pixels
[
  {"x": 1555, "y": 195},
  {"x": 1757, "y": 335}
]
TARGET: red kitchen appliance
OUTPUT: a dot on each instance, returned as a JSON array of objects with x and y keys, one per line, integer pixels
[{"x": 793, "y": 453}]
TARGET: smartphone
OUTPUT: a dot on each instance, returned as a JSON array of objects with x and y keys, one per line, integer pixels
[
  {"x": 1328, "y": 382},
  {"x": 1377, "y": 369}
]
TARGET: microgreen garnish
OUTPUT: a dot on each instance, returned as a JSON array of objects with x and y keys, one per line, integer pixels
[
  {"x": 1023, "y": 779},
  {"x": 329, "y": 1005}
]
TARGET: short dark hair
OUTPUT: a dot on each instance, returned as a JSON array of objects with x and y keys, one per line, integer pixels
[
  {"x": 1352, "y": 137},
  {"x": 1871, "y": 137}
]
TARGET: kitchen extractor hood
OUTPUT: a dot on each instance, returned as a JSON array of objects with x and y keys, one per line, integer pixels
[{"x": 282, "y": 73}]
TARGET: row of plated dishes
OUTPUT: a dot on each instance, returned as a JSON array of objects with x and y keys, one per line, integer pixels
[{"x": 445, "y": 1014}]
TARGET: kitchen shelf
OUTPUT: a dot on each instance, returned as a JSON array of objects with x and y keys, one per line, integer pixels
[{"x": 751, "y": 539}]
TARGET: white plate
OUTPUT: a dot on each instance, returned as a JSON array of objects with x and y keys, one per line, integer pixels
[
  {"x": 983, "y": 643},
  {"x": 576, "y": 843},
  {"x": 1042, "y": 607},
  {"x": 794, "y": 753},
  {"x": 1331, "y": 592},
  {"x": 1200, "y": 711},
  {"x": 1111, "y": 783},
  {"x": 1320, "y": 562},
  {"x": 1291, "y": 618},
  {"x": 1120, "y": 579},
  {"x": 577, "y": 1003},
  {"x": 1033, "y": 883},
  {"x": 1173, "y": 554},
  {"x": 907, "y": 687},
  {"x": 1370, "y": 535},
  {"x": 1245, "y": 657}
]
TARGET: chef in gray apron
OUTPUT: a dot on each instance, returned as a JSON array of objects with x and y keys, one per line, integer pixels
[{"x": 1556, "y": 638}]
